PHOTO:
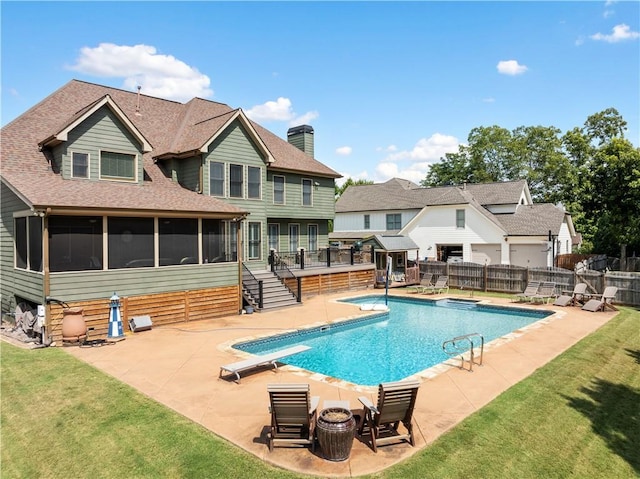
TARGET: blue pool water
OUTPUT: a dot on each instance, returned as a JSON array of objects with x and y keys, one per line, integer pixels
[{"x": 391, "y": 346}]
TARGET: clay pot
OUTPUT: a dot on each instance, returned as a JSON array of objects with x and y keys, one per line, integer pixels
[{"x": 74, "y": 327}]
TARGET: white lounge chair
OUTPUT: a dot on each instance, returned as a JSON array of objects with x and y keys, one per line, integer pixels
[
  {"x": 545, "y": 293},
  {"x": 253, "y": 362},
  {"x": 572, "y": 298},
  {"x": 530, "y": 291},
  {"x": 425, "y": 283},
  {"x": 603, "y": 302},
  {"x": 440, "y": 287}
]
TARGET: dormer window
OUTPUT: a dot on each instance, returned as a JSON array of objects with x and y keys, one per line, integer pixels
[
  {"x": 117, "y": 166},
  {"x": 79, "y": 165}
]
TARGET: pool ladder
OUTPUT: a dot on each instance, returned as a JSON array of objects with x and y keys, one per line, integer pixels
[{"x": 461, "y": 344}]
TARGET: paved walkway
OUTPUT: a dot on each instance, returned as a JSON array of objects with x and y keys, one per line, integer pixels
[{"x": 179, "y": 366}]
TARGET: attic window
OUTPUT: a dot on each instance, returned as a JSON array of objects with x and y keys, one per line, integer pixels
[
  {"x": 80, "y": 165},
  {"x": 119, "y": 166}
]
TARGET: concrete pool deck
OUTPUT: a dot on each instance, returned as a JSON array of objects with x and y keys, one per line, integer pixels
[{"x": 178, "y": 366}]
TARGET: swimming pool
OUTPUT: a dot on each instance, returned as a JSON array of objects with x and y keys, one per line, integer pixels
[{"x": 393, "y": 345}]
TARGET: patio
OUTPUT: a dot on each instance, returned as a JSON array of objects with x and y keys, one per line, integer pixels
[{"x": 179, "y": 365}]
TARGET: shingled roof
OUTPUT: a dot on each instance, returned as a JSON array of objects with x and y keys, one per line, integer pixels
[
  {"x": 396, "y": 194},
  {"x": 533, "y": 220},
  {"x": 171, "y": 128}
]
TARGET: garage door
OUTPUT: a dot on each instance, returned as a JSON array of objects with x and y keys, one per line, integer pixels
[
  {"x": 529, "y": 255},
  {"x": 485, "y": 253}
]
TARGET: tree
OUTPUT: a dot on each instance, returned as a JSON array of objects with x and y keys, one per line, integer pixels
[
  {"x": 605, "y": 126},
  {"x": 614, "y": 199},
  {"x": 350, "y": 181}
]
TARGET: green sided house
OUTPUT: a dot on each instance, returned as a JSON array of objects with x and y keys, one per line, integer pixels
[{"x": 166, "y": 204}]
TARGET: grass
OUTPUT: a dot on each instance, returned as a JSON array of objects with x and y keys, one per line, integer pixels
[{"x": 576, "y": 417}]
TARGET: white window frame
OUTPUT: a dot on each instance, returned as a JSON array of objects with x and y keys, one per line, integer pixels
[
  {"x": 310, "y": 192},
  {"x": 88, "y": 155},
  {"x": 224, "y": 178},
  {"x": 284, "y": 193},
  {"x": 259, "y": 197},
  {"x": 460, "y": 217},
  {"x": 270, "y": 237},
  {"x": 293, "y": 248},
  {"x": 119, "y": 178},
  {"x": 309, "y": 236},
  {"x": 367, "y": 222},
  {"x": 243, "y": 193},
  {"x": 251, "y": 224}
]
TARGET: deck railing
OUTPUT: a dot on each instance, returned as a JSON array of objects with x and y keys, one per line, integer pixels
[{"x": 321, "y": 258}]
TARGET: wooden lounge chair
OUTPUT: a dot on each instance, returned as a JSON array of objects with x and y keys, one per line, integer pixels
[
  {"x": 530, "y": 291},
  {"x": 395, "y": 405},
  {"x": 263, "y": 360},
  {"x": 441, "y": 286},
  {"x": 603, "y": 302},
  {"x": 546, "y": 291},
  {"x": 572, "y": 298},
  {"x": 293, "y": 415},
  {"x": 425, "y": 283}
]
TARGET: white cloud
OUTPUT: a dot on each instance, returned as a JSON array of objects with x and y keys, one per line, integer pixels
[
  {"x": 414, "y": 164},
  {"x": 428, "y": 149},
  {"x": 489, "y": 100},
  {"x": 159, "y": 75},
  {"x": 511, "y": 67},
  {"x": 608, "y": 13},
  {"x": 305, "y": 119},
  {"x": 619, "y": 33},
  {"x": 415, "y": 172},
  {"x": 344, "y": 150},
  {"x": 280, "y": 110}
]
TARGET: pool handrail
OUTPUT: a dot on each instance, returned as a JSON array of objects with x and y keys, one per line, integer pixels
[{"x": 469, "y": 346}]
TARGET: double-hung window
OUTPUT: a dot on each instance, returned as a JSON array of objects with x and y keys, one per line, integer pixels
[
  {"x": 216, "y": 178},
  {"x": 460, "y": 219},
  {"x": 367, "y": 222},
  {"x": 80, "y": 165},
  {"x": 236, "y": 181},
  {"x": 394, "y": 221},
  {"x": 278, "y": 190},
  {"x": 307, "y": 196},
  {"x": 117, "y": 166},
  {"x": 254, "y": 181}
]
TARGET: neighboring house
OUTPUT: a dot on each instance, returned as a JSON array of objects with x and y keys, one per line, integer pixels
[
  {"x": 494, "y": 223},
  {"x": 107, "y": 190}
]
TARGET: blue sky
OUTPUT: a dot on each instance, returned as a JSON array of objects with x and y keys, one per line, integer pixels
[{"x": 389, "y": 87}]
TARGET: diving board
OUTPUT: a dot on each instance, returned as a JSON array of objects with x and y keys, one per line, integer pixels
[{"x": 255, "y": 361}]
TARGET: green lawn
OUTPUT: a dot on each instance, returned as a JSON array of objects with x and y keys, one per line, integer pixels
[{"x": 577, "y": 417}]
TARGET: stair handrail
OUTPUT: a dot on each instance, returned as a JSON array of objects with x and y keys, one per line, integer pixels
[
  {"x": 283, "y": 272},
  {"x": 467, "y": 345},
  {"x": 253, "y": 286}
]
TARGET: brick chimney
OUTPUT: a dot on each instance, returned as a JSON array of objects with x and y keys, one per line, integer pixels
[{"x": 302, "y": 138}]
